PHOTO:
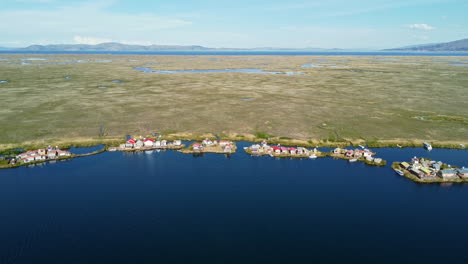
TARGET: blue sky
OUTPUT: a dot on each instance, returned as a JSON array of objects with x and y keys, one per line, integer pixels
[{"x": 236, "y": 24}]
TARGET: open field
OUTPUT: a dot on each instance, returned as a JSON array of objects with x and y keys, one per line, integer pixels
[{"x": 360, "y": 98}]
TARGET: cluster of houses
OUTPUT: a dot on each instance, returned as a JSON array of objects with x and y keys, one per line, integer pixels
[
  {"x": 48, "y": 153},
  {"x": 264, "y": 149},
  {"x": 225, "y": 146},
  {"x": 429, "y": 170},
  {"x": 357, "y": 154},
  {"x": 149, "y": 143}
]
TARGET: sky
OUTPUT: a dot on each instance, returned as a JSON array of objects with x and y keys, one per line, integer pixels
[{"x": 367, "y": 24}]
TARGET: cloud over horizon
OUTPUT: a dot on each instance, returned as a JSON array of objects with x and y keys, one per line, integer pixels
[{"x": 425, "y": 27}]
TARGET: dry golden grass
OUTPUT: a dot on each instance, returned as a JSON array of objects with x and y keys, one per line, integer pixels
[{"x": 367, "y": 98}]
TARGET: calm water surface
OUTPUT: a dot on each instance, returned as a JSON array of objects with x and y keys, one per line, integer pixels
[{"x": 166, "y": 207}]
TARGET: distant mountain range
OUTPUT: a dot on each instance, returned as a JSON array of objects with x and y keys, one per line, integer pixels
[
  {"x": 458, "y": 45},
  {"x": 111, "y": 46}
]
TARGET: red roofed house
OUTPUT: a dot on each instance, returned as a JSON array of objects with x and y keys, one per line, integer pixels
[{"x": 148, "y": 142}]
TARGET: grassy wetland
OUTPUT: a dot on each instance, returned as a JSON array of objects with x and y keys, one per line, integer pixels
[{"x": 381, "y": 101}]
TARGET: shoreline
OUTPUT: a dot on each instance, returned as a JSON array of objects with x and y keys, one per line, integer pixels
[
  {"x": 115, "y": 141},
  {"x": 414, "y": 178}
]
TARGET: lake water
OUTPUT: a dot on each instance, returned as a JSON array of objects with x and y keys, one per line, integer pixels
[{"x": 168, "y": 207}]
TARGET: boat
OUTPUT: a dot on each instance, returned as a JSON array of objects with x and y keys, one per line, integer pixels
[
  {"x": 352, "y": 160},
  {"x": 313, "y": 156},
  {"x": 462, "y": 146},
  {"x": 427, "y": 146},
  {"x": 271, "y": 155},
  {"x": 361, "y": 146},
  {"x": 399, "y": 172}
]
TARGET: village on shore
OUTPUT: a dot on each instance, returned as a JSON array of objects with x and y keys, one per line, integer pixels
[{"x": 418, "y": 169}]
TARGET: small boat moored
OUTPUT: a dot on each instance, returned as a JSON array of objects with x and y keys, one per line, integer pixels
[
  {"x": 427, "y": 146},
  {"x": 352, "y": 160},
  {"x": 399, "y": 172},
  {"x": 313, "y": 156}
]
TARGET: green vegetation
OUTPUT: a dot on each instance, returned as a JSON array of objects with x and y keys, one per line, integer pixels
[{"x": 370, "y": 101}]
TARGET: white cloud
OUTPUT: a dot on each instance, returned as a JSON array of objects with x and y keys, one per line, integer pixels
[
  {"x": 90, "y": 40},
  {"x": 81, "y": 22},
  {"x": 420, "y": 27}
]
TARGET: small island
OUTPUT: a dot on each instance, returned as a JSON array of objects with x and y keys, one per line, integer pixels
[
  {"x": 362, "y": 154},
  {"x": 424, "y": 170},
  {"x": 211, "y": 146},
  {"x": 279, "y": 151},
  {"x": 143, "y": 144}
]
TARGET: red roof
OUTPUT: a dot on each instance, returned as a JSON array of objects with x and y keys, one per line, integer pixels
[
  {"x": 292, "y": 149},
  {"x": 275, "y": 148},
  {"x": 196, "y": 144},
  {"x": 131, "y": 141},
  {"x": 149, "y": 139}
]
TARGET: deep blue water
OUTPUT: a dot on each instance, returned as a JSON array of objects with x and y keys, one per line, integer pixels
[
  {"x": 293, "y": 53},
  {"x": 168, "y": 207}
]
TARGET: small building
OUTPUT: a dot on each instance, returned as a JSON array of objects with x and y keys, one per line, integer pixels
[
  {"x": 447, "y": 174},
  {"x": 122, "y": 146},
  {"x": 417, "y": 172},
  {"x": 463, "y": 173},
  {"x": 426, "y": 171},
  {"x": 223, "y": 143},
  {"x": 227, "y": 148},
  {"x": 349, "y": 153},
  {"x": 28, "y": 159},
  {"x": 163, "y": 143},
  {"x": 63, "y": 153},
  {"x": 196, "y": 147},
  {"x": 41, "y": 151},
  {"x": 437, "y": 165},
  {"x": 284, "y": 150},
  {"x": 157, "y": 143},
  {"x": 130, "y": 143},
  {"x": 139, "y": 144},
  {"x": 52, "y": 154},
  {"x": 369, "y": 158},
  {"x": 293, "y": 151},
  {"x": 404, "y": 165},
  {"x": 377, "y": 160},
  {"x": 337, "y": 151},
  {"x": 300, "y": 151},
  {"x": 149, "y": 142},
  {"x": 207, "y": 142},
  {"x": 277, "y": 150},
  {"x": 177, "y": 142}
]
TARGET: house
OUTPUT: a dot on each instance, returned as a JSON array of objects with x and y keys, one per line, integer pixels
[
  {"x": 277, "y": 150},
  {"x": 463, "y": 173},
  {"x": 437, "y": 165},
  {"x": 41, "y": 151},
  {"x": 163, "y": 143},
  {"x": 28, "y": 159},
  {"x": 404, "y": 165},
  {"x": 228, "y": 148},
  {"x": 293, "y": 151},
  {"x": 377, "y": 160},
  {"x": 300, "y": 151},
  {"x": 207, "y": 142},
  {"x": 157, "y": 143},
  {"x": 358, "y": 154},
  {"x": 196, "y": 147},
  {"x": 369, "y": 158},
  {"x": 447, "y": 174},
  {"x": 254, "y": 148},
  {"x": 223, "y": 143},
  {"x": 337, "y": 151},
  {"x": 349, "y": 153},
  {"x": 284, "y": 150},
  {"x": 426, "y": 171},
  {"x": 63, "y": 153},
  {"x": 52, "y": 154},
  {"x": 130, "y": 143},
  {"x": 122, "y": 146},
  {"x": 367, "y": 154},
  {"x": 148, "y": 142},
  {"x": 177, "y": 142},
  {"x": 139, "y": 144},
  {"x": 417, "y": 172}
]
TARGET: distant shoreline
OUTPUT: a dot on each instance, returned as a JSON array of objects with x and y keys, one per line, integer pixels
[{"x": 247, "y": 53}]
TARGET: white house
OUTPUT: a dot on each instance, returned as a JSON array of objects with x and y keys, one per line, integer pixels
[
  {"x": 149, "y": 142},
  {"x": 177, "y": 143}
]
